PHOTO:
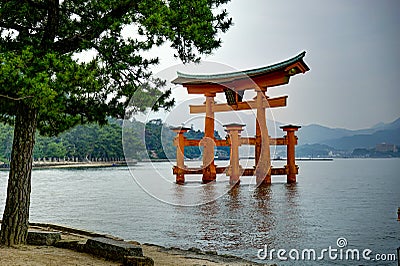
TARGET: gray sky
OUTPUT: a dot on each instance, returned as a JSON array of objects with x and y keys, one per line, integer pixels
[{"x": 353, "y": 50}]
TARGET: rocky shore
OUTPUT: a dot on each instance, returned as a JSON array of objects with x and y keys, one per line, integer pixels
[{"x": 61, "y": 245}]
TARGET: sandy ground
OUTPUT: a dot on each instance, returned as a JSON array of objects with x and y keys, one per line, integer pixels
[
  {"x": 47, "y": 255},
  {"x": 50, "y": 255}
]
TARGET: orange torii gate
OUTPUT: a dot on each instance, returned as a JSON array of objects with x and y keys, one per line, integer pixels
[{"x": 233, "y": 85}]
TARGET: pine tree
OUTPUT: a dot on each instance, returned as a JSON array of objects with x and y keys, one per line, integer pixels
[{"x": 45, "y": 87}]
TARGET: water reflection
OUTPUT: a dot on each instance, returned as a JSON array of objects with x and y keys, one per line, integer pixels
[
  {"x": 276, "y": 216},
  {"x": 208, "y": 192},
  {"x": 264, "y": 218},
  {"x": 292, "y": 194},
  {"x": 179, "y": 193},
  {"x": 235, "y": 201},
  {"x": 192, "y": 193},
  {"x": 293, "y": 214},
  {"x": 263, "y": 194},
  {"x": 209, "y": 220}
]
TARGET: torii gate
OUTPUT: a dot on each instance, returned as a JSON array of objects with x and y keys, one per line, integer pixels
[{"x": 233, "y": 85}]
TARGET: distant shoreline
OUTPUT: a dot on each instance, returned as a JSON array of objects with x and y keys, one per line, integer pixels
[
  {"x": 62, "y": 165},
  {"x": 72, "y": 165},
  {"x": 305, "y": 159}
]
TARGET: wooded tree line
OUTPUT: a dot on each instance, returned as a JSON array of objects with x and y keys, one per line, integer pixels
[
  {"x": 93, "y": 142},
  {"x": 87, "y": 142},
  {"x": 83, "y": 142}
]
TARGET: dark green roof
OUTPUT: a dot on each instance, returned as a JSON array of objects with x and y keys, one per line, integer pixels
[{"x": 225, "y": 77}]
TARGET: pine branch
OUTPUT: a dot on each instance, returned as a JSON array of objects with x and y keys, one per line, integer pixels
[
  {"x": 15, "y": 99},
  {"x": 71, "y": 44}
]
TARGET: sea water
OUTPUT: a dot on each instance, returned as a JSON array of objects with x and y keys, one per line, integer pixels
[{"x": 344, "y": 204}]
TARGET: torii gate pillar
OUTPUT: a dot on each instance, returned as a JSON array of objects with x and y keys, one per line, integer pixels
[
  {"x": 291, "y": 167},
  {"x": 234, "y": 170},
  {"x": 263, "y": 156},
  {"x": 209, "y": 169},
  {"x": 179, "y": 142}
]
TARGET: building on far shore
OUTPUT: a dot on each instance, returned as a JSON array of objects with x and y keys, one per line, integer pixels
[{"x": 385, "y": 147}]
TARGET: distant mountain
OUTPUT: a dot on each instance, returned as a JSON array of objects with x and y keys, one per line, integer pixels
[
  {"x": 318, "y": 134},
  {"x": 335, "y": 138},
  {"x": 347, "y": 139},
  {"x": 385, "y": 126},
  {"x": 391, "y": 136}
]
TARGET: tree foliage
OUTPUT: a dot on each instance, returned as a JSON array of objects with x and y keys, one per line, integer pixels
[
  {"x": 45, "y": 85},
  {"x": 195, "y": 152},
  {"x": 6, "y": 133},
  {"x": 41, "y": 42},
  {"x": 159, "y": 140}
]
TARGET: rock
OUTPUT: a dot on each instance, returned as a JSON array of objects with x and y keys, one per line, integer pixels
[
  {"x": 137, "y": 261},
  {"x": 212, "y": 252},
  {"x": 112, "y": 249},
  {"x": 196, "y": 250},
  {"x": 134, "y": 242},
  {"x": 68, "y": 244},
  {"x": 43, "y": 238}
]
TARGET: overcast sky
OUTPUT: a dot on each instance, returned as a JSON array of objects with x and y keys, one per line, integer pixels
[{"x": 353, "y": 50}]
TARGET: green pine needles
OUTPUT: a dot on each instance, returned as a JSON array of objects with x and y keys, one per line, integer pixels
[{"x": 48, "y": 83}]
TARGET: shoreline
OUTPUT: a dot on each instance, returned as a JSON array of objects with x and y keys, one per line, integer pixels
[
  {"x": 160, "y": 254},
  {"x": 78, "y": 165},
  {"x": 72, "y": 165},
  {"x": 89, "y": 164}
]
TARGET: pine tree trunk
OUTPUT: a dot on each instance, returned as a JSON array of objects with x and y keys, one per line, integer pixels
[{"x": 14, "y": 227}]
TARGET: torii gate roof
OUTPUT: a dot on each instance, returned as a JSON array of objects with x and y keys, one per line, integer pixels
[{"x": 268, "y": 76}]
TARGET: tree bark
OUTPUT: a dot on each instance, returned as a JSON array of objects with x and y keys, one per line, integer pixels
[{"x": 14, "y": 227}]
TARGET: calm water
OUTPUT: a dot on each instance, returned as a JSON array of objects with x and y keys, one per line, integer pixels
[{"x": 354, "y": 199}]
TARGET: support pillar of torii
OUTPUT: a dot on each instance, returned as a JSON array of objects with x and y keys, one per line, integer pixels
[
  {"x": 263, "y": 156},
  {"x": 234, "y": 169},
  {"x": 209, "y": 170}
]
